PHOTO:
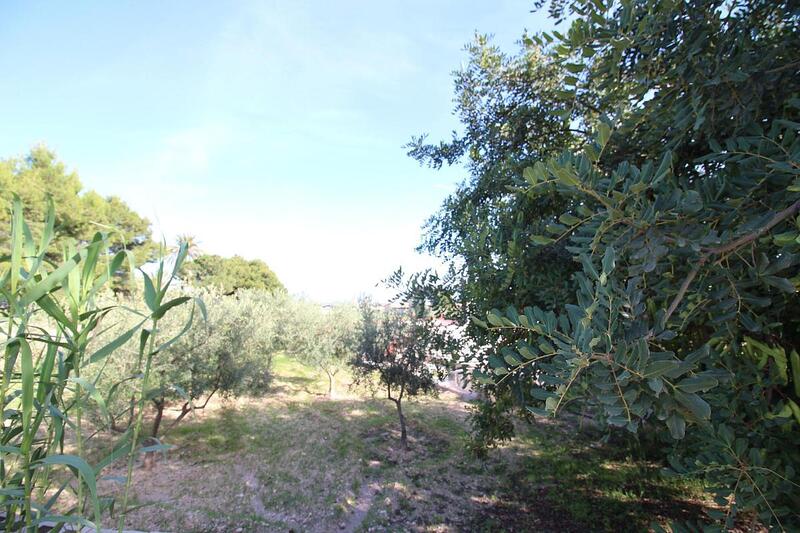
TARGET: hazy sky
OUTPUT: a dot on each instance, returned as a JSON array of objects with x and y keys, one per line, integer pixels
[{"x": 271, "y": 130}]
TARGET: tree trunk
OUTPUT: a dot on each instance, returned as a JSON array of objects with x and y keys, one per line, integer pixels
[
  {"x": 330, "y": 384},
  {"x": 403, "y": 435},
  {"x": 159, "y": 416},
  {"x": 150, "y": 457}
]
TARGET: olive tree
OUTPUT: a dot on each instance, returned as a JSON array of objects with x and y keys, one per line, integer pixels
[
  {"x": 404, "y": 351},
  {"x": 228, "y": 353},
  {"x": 323, "y": 338}
]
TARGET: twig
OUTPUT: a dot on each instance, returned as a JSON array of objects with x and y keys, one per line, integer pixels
[{"x": 729, "y": 247}]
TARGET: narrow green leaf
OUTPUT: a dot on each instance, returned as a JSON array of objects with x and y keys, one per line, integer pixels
[
  {"x": 149, "y": 292},
  {"x": 162, "y": 310},
  {"x": 26, "y": 366},
  {"x": 82, "y": 468},
  {"x": 51, "y": 281}
]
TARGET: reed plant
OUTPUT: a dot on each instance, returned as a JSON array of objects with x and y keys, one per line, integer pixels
[{"x": 52, "y": 327}]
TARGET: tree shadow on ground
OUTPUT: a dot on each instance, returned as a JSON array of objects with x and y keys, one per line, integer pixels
[{"x": 265, "y": 465}]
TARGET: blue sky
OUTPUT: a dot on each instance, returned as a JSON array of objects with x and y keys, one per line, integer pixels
[{"x": 271, "y": 130}]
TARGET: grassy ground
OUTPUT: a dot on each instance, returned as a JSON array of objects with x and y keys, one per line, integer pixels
[{"x": 298, "y": 460}]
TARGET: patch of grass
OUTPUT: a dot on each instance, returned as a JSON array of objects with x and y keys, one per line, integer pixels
[
  {"x": 298, "y": 460},
  {"x": 601, "y": 486},
  {"x": 226, "y": 431}
]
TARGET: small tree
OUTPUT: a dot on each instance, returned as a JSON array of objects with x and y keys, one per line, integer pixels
[
  {"x": 228, "y": 354},
  {"x": 324, "y": 339},
  {"x": 404, "y": 350}
]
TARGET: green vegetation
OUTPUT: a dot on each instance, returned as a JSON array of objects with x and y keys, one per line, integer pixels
[
  {"x": 404, "y": 351},
  {"x": 231, "y": 273},
  {"x": 227, "y": 353},
  {"x": 322, "y": 338},
  {"x": 622, "y": 290},
  {"x": 50, "y": 330},
  {"x": 38, "y": 179},
  {"x": 297, "y": 459},
  {"x": 628, "y": 236}
]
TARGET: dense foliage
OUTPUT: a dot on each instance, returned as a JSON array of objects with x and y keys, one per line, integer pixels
[
  {"x": 228, "y": 353},
  {"x": 79, "y": 214},
  {"x": 661, "y": 167},
  {"x": 231, "y": 273},
  {"x": 51, "y": 329},
  {"x": 405, "y": 351},
  {"x": 322, "y": 338}
]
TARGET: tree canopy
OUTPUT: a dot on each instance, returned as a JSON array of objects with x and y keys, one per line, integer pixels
[
  {"x": 323, "y": 338},
  {"x": 40, "y": 177},
  {"x": 231, "y": 273},
  {"x": 632, "y": 216}
]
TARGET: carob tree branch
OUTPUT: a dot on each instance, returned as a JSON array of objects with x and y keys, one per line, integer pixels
[{"x": 729, "y": 247}]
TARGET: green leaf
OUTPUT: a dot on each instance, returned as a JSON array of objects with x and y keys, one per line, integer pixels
[
  {"x": 795, "y": 410},
  {"x": 115, "y": 344},
  {"x": 785, "y": 239},
  {"x": 575, "y": 68},
  {"x": 149, "y": 292},
  {"x": 794, "y": 358},
  {"x": 16, "y": 242},
  {"x": 656, "y": 385},
  {"x": 82, "y": 468},
  {"x": 93, "y": 394},
  {"x": 677, "y": 426},
  {"x": 697, "y": 383},
  {"x": 494, "y": 318},
  {"x": 162, "y": 310},
  {"x": 664, "y": 168},
  {"x": 608, "y": 260},
  {"x": 697, "y": 406},
  {"x": 546, "y": 347},
  {"x": 530, "y": 175},
  {"x": 569, "y": 220},
  {"x": 26, "y": 366},
  {"x": 566, "y": 176},
  {"x": 50, "y": 281},
  {"x": 556, "y": 228},
  {"x": 780, "y": 283},
  {"x": 512, "y": 359},
  {"x": 603, "y": 134},
  {"x": 659, "y": 368},
  {"x": 480, "y": 323},
  {"x": 542, "y": 240}
]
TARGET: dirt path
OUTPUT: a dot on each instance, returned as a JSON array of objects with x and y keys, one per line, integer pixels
[{"x": 361, "y": 508}]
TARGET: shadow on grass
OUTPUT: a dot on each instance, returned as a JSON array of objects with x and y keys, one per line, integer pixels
[
  {"x": 302, "y": 462},
  {"x": 573, "y": 483}
]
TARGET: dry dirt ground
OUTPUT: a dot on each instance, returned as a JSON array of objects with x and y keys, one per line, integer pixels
[{"x": 296, "y": 460}]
